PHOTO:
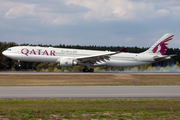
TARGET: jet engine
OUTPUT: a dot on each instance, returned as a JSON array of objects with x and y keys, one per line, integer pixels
[{"x": 67, "y": 63}]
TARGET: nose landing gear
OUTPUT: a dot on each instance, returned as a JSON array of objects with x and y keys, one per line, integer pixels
[{"x": 19, "y": 63}]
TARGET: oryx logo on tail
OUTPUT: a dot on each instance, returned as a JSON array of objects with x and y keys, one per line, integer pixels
[{"x": 162, "y": 46}]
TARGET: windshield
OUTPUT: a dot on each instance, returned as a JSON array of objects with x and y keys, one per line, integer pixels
[{"x": 8, "y": 49}]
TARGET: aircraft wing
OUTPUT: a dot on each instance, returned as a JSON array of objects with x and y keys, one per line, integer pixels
[
  {"x": 156, "y": 58},
  {"x": 98, "y": 57}
]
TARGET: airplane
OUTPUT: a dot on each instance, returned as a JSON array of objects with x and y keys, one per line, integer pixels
[{"x": 70, "y": 57}]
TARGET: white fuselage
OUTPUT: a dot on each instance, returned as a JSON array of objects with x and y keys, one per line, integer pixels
[{"x": 50, "y": 54}]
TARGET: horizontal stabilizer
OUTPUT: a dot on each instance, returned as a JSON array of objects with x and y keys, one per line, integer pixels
[{"x": 156, "y": 58}]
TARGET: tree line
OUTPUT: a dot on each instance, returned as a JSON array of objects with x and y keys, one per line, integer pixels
[{"x": 10, "y": 64}]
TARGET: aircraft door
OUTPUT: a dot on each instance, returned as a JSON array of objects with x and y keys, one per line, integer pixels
[{"x": 137, "y": 57}]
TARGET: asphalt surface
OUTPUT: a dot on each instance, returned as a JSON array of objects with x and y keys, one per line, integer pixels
[{"x": 40, "y": 92}]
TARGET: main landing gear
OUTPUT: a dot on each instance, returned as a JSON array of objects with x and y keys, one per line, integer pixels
[{"x": 88, "y": 70}]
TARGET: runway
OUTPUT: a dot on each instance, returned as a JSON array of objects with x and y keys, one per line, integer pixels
[
  {"x": 81, "y": 73},
  {"x": 40, "y": 92}
]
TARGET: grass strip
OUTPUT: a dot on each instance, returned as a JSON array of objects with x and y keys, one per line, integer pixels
[
  {"x": 90, "y": 109},
  {"x": 88, "y": 80}
]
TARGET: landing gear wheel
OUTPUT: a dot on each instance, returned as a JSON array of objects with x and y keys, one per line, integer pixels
[
  {"x": 85, "y": 70},
  {"x": 91, "y": 70}
]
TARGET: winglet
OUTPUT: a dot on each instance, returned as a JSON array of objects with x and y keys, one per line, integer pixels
[{"x": 122, "y": 50}]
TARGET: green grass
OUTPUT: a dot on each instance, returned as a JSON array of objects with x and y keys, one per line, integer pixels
[{"x": 90, "y": 109}]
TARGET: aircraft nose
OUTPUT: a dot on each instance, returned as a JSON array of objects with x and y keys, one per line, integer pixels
[{"x": 4, "y": 53}]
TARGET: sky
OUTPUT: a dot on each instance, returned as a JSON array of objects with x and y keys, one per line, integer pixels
[{"x": 126, "y": 23}]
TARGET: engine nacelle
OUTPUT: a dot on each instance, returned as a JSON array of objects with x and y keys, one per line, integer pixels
[{"x": 67, "y": 63}]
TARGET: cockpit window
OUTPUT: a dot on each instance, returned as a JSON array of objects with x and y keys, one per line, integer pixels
[{"x": 8, "y": 49}]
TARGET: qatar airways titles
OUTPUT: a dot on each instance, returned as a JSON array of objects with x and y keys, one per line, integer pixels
[{"x": 27, "y": 52}]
